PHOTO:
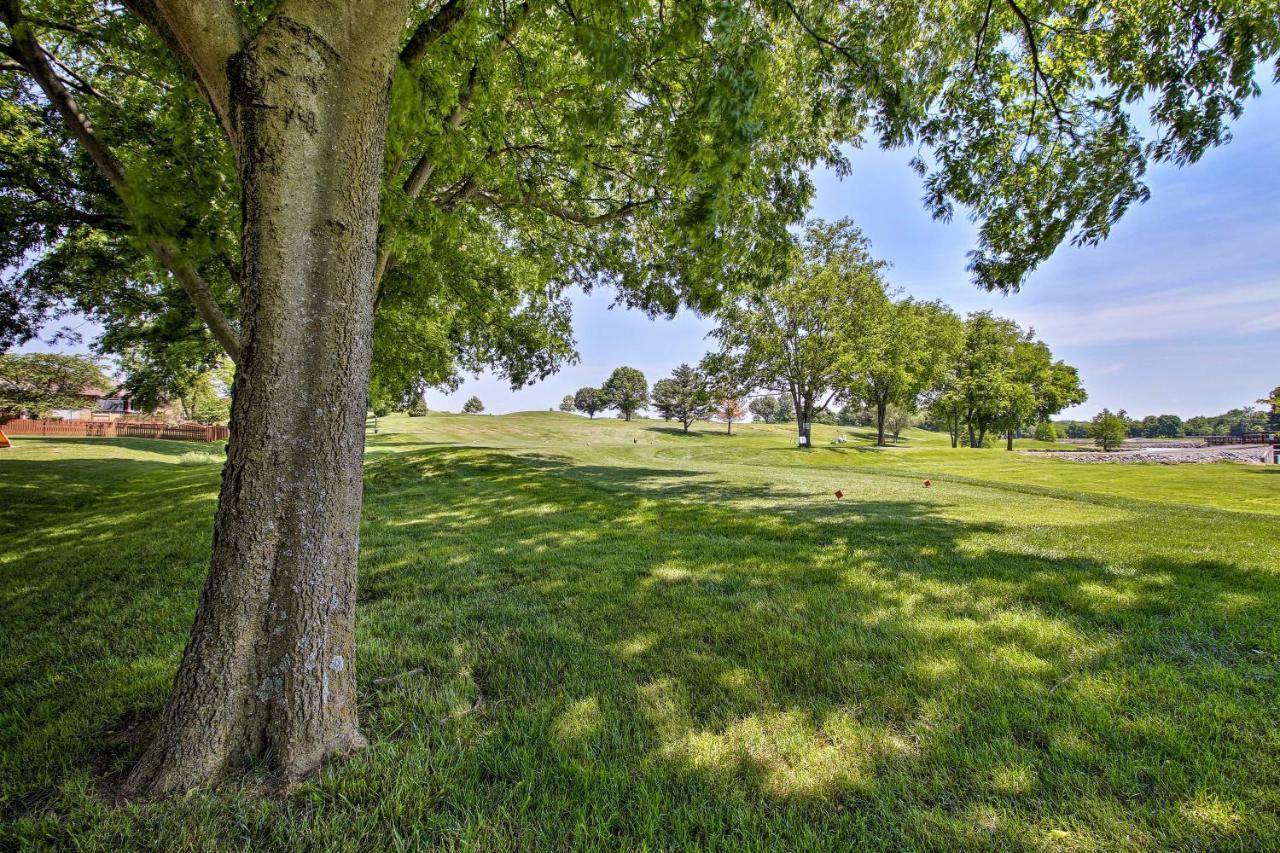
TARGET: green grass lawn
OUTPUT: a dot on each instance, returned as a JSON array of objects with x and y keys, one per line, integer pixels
[{"x": 601, "y": 635}]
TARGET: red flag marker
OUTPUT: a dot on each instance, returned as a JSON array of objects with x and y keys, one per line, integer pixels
[
  {"x": 839, "y": 494},
  {"x": 928, "y": 483}
]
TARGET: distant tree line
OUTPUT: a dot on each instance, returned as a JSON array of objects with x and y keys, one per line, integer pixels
[
  {"x": 831, "y": 333},
  {"x": 35, "y": 384},
  {"x": 626, "y": 390},
  {"x": 1239, "y": 421}
]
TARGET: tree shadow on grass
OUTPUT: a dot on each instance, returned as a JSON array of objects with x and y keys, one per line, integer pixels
[
  {"x": 945, "y": 681},
  {"x": 561, "y": 654},
  {"x": 676, "y": 431}
]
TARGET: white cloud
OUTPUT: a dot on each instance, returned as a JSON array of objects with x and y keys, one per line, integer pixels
[{"x": 1209, "y": 309}]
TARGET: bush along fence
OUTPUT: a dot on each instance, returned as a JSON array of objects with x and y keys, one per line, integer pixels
[{"x": 115, "y": 429}]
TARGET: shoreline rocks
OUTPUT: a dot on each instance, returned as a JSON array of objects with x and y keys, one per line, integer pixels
[{"x": 1250, "y": 454}]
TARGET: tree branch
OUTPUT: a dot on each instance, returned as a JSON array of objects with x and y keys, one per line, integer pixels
[
  {"x": 625, "y": 211},
  {"x": 982, "y": 35},
  {"x": 425, "y": 166},
  {"x": 1037, "y": 70},
  {"x": 36, "y": 63},
  {"x": 431, "y": 30},
  {"x": 869, "y": 73},
  {"x": 423, "y": 169},
  {"x": 203, "y": 35}
]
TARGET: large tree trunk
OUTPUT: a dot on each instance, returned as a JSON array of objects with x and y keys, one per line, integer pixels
[
  {"x": 881, "y": 410},
  {"x": 269, "y": 669}
]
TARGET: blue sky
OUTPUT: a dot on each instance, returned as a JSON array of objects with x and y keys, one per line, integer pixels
[{"x": 1179, "y": 311}]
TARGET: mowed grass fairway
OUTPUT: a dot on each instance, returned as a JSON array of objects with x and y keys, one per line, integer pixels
[{"x": 597, "y": 635}]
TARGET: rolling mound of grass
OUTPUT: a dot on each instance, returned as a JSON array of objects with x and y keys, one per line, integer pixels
[{"x": 609, "y": 635}]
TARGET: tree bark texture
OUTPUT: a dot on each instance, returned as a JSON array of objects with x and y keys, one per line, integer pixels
[{"x": 269, "y": 669}]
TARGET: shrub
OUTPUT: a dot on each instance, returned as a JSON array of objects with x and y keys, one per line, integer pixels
[
  {"x": 200, "y": 457},
  {"x": 418, "y": 408},
  {"x": 1046, "y": 431},
  {"x": 1109, "y": 429}
]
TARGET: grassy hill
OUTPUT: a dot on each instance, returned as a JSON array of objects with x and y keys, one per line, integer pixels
[{"x": 598, "y": 634}]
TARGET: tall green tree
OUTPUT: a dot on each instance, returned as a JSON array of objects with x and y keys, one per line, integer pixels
[
  {"x": 589, "y": 400},
  {"x": 374, "y": 192},
  {"x": 625, "y": 390},
  {"x": 38, "y": 383},
  {"x": 1037, "y": 388},
  {"x": 907, "y": 351},
  {"x": 566, "y": 403},
  {"x": 982, "y": 385},
  {"x": 684, "y": 396},
  {"x": 799, "y": 338}
]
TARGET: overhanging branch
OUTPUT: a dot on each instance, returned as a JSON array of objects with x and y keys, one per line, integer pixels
[
  {"x": 35, "y": 61},
  {"x": 624, "y": 211},
  {"x": 423, "y": 169},
  {"x": 203, "y": 35},
  {"x": 432, "y": 30},
  {"x": 1038, "y": 74}
]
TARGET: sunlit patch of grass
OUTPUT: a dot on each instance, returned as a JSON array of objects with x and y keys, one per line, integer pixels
[
  {"x": 598, "y": 636},
  {"x": 1211, "y": 812},
  {"x": 637, "y": 645},
  {"x": 196, "y": 457},
  {"x": 580, "y": 721}
]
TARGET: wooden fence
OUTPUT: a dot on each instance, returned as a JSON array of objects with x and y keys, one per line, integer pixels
[
  {"x": 115, "y": 429},
  {"x": 1247, "y": 438}
]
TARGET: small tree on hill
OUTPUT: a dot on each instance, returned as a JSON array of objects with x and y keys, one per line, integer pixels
[
  {"x": 946, "y": 410},
  {"x": 764, "y": 409},
  {"x": 684, "y": 396},
  {"x": 1109, "y": 429},
  {"x": 473, "y": 406},
  {"x": 566, "y": 403},
  {"x": 626, "y": 390},
  {"x": 730, "y": 410},
  {"x": 417, "y": 406},
  {"x": 663, "y": 398},
  {"x": 897, "y": 418},
  {"x": 786, "y": 411},
  {"x": 854, "y": 414},
  {"x": 589, "y": 401}
]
